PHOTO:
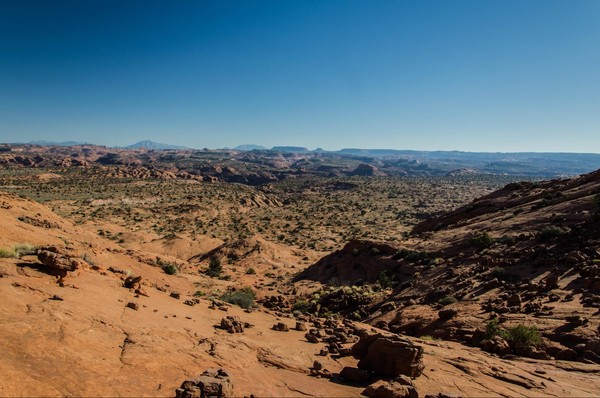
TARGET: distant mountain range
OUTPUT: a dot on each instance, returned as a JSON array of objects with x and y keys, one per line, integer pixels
[
  {"x": 546, "y": 164},
  {"x": 153, "y": 145},
  {"x": 250, "y": 147},
  {"x": 62, "y": 143}
]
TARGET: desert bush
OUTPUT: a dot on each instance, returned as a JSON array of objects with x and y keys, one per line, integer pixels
[
  {"x": 503, "y": 275},
  {"x": 520, "y": 337},
  {"x": 199, "y": 293},
  {"x": 250, "y": 271},
  {"x": 551, "y": 232},
  {"x": 384, "y": 280},
  {"x": 89, "y": 259},
  {"x": 374, "y": 251},
  {"x": 7, "y": 253},
  {"x": 18, "y": 250},
  {"x": 169, "y": 269},
  {"x": 214, "y": 267},
  {"x": 596, "y": 212},
  {"x": 523, "y": 337},
  {"x": 493, "y": 329},
  {"x": 507, "y": 240},
  {"x": 481, "y": 241},
  {"x": 412, "y": 256},
  {"x": 302, "y": 306},
  {"x": 447, "y": 300},
  {"x": 243, "y": 297},
  {"x": 24, "y": 249}
]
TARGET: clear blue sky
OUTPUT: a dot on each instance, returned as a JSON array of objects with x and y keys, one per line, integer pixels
[{"x": 482, "y": 75}]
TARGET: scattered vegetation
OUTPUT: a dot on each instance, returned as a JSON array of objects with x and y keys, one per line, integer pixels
[
  {"x": 243, "y": 297},
  {"x": 170, "y": 269},
  {"x": 481, "y": 241},
  {"x": 18, "y": 250},
  {"x": 503, "y": 275},
  {"x": 412, "y": 256},
  {"x": 551, "y": 232},
  {"x": 89, "y": 259},
  {"x": 302, "y": 306},
  {"x": 520, "y": 337},
  {"x": 447, "y": 300},
  {"x": 492, "y": 329},
  {"x": 523, "y": 337},
  {"x": 7, "y": 253},
  {"x": 507, "y": 240},
  {"x": 215, "y": 269},
  {"x": 385, "y": 281}
]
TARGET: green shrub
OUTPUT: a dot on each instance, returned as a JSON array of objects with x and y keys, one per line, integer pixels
[
  {"x": 214, "y": 267},
  {"x": 507, "y": 240},
  {"x": 24, "y": 249},
  {"x": 551, "y": 232},
  {"x": 447, "y": 300},
  {"x": 374, "y": 251},
  {"x": 519, "y": 337},
  {"x": 243, "y": 297},
  {"x": 7, "y": 253},
  {"x": 169, "y": 269},
  {"x": 493, "y": 329},
  {"x": 503, "y": 275},
  {"x": 482, "y": 241},
  {"x": 250, "y": 271},
  {"x": 523, "y": 337},
  {"x": 412, "y": 256},
  {"x": 301, "y": 306},
  {"x": 596, "y": 212},
  {"x": 384, "y": 280},
  {"x": 199, "y": 293},
  {"x": 18, "y": 250}
]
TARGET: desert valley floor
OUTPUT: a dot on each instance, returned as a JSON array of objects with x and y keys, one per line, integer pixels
[{"x": 126, "y": 273}]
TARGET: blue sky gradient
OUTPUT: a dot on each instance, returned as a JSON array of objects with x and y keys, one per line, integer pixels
[{"x": 466, "y": 75}]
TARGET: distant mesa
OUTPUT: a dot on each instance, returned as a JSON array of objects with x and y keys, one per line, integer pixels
[
  {"x": 249, "y": 147},
  {"x": 293, "y": 149},
  {"x": 461, "y": 172},
  {"x": 53, "y": 143},
  {"x": 366, "y": 170},
  {"x": 153, "y": 145}
]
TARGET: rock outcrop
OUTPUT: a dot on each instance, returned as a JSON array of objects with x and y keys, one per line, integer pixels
[{"x": 389, "y": 355}]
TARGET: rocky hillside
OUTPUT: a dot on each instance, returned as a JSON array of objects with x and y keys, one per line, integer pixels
[
  {"x": 83, "y": 316},
  {"x": 514, "y": 272}
]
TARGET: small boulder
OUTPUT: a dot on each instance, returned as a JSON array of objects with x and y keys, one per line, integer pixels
[
  {"x": 300, "y": 326},
  {"x": 317, "y": 365},
  {"x": 514, "y": 301},
  {"x": 232, "y": 324},
  {"x": 447, "y": 314},
  {"x": 496, "y": 345},
  {"x": 354, "y": 375},
  {"x": 281, "y": 327},
  {"x": 211, "y": 383},
  {"x": 576, "y": 320},
  {"x": 311, "y": 338}
]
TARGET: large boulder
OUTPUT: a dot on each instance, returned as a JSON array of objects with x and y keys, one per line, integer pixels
[
  {"x": 389, "y": 355},
  {"x": 211, "y": 383},
  {"x": 392, "y": 389},
  {"x": 57, "y": 261}
]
